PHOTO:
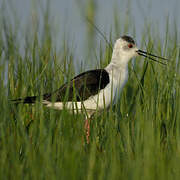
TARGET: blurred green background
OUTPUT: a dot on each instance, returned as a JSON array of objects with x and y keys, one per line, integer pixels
[{"x": 45, "y": 43}]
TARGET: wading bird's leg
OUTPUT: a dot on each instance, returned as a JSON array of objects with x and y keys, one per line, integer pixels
[
  {"x": 87, "y": 126},
  {"x": 87, "y": 129}
]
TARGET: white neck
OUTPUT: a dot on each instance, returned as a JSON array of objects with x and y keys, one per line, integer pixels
[
  {"x": 118, "y": 68},
  {"x": 118, "y": 72},
  {"x": 118, "y": 63}
]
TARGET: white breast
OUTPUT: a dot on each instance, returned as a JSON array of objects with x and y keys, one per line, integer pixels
[{"x": 120, "y": 83}]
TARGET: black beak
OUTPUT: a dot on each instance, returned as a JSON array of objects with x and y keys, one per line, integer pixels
[{"x": 149, "y": 55}]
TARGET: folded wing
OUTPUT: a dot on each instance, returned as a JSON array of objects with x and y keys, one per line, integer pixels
[{"x": 79, "y": 88}]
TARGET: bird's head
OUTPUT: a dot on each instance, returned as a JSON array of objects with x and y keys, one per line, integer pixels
[{"x": 125, "y": 49}]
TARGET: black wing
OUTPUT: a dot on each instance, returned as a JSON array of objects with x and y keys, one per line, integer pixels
[{"x": 79, "y": 88}]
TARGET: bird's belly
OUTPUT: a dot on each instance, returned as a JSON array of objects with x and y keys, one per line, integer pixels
[{"x": 102, "y": 100}]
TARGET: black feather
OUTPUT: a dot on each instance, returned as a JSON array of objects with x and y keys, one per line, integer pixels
[
  {"x": 28, "y": 100},
  {"x": 82, "y": 86},
  {"x": 79, "y": 88},
  {"x": 128, "y": 39}
]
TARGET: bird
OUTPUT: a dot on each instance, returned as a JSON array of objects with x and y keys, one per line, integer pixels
[{"x": 95, "y": 90}]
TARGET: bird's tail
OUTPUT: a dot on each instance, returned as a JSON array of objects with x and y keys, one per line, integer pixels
[{"x": 26, "y": 100}]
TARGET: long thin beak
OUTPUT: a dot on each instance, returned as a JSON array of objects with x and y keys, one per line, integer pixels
[{"x": 148, "y": 55}]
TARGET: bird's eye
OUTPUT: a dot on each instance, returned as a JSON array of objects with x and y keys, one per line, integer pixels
[{"x": 130, "y": 45}]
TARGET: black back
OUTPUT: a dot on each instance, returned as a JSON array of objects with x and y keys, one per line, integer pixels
[{"x": 81, "y": 87}]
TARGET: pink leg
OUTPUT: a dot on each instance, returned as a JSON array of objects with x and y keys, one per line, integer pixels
[{"x": 87, "y": 129}]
